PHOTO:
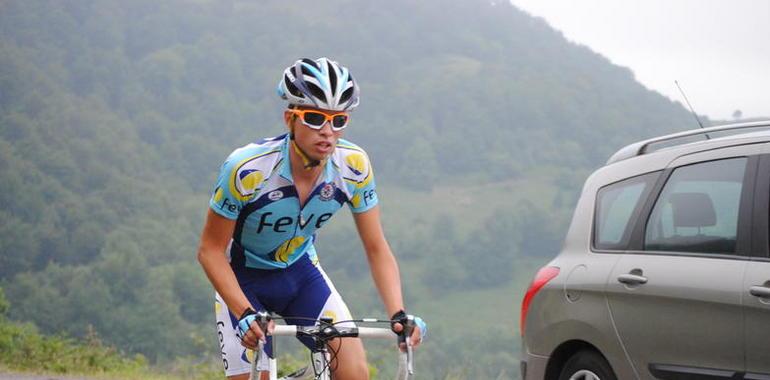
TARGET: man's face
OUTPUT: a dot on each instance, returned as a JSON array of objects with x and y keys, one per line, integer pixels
[{"x": 317, "y": 144}]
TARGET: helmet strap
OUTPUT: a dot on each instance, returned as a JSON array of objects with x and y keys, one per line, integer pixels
[{"x": 307, "y": 162}]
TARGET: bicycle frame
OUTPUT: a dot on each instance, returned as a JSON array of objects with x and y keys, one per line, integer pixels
[{"x": 321, "y": 356}]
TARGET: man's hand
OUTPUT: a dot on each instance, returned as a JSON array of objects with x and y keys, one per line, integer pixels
[
  {"x": 419, "y": 330},
  {"x": 249, "y": 331}
]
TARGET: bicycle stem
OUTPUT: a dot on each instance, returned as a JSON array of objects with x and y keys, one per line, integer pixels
[{"x": 263, "y": 320}]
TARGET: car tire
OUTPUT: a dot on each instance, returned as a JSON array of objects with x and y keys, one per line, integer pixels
[{"x": 587, "y": 365}]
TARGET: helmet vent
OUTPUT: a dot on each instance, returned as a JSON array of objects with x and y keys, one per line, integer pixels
[
  {"x": 305, "y": 70},
  {"x": 292, "y": 88},
  {"x": 315, "y": 91},
  {"x": 332, "y": 76},
  {"x": 346, "y": 95}
]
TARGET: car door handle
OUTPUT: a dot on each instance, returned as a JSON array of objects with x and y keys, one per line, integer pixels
[
  {"x": 760, "y": 291},
  {"x": 633, "y": 279}
]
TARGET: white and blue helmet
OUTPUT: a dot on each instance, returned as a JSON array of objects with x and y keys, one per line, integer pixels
[{"x": 322, "y": 83}]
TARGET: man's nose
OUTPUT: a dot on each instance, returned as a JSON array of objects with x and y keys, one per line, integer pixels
[{"x": 326, "y": 129}]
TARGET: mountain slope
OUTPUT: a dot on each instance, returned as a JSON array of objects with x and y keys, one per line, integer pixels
[{"x": 114, "y": 116}]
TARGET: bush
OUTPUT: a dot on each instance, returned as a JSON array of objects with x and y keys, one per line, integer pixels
[
  {"x": 4, "y": 305},
  {"x": 22, "y": 347}
]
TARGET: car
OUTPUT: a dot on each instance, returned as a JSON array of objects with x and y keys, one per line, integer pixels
[{"x": 665, "y": 269}]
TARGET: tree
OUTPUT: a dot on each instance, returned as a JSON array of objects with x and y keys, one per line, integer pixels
[{"x": 4, "y": 305}]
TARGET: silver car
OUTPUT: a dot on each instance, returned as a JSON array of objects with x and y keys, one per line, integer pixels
[{"x": 665, "y": 270}]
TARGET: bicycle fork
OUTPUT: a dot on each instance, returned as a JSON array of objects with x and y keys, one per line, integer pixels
[{"x": 321, "y": 364}]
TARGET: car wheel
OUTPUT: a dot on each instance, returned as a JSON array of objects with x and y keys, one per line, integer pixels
[{"x": 587, "y": 365}]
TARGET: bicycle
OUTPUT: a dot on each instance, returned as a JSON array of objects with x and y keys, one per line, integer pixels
[{"x": 323, "y": 331}]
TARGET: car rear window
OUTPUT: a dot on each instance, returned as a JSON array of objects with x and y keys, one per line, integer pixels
[
  {"x": 616, "y": 205},
  {"x": 697, "y": 211}
]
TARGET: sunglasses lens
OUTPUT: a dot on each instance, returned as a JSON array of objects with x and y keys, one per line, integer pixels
[
  {"x": 340, "y": 121},
  {"x": 315, "y": 119}
]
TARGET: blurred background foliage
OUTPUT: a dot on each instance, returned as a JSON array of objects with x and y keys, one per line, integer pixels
[{"x": 482, "y": 122}]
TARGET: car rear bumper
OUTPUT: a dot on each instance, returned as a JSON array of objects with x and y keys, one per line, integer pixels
[{"x": 533, "y": 367}]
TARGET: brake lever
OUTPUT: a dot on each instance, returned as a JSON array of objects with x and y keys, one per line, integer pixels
[
  {"x": 408, "y": 328},
  {"x": 263, "y": 320},
  {"x": 254, "y": 375}
]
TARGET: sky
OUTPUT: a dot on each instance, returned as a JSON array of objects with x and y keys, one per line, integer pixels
[{"x": 718, "y": 50}]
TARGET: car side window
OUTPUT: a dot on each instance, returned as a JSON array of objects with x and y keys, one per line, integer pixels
[
  {"x": 697, "y": 211},
  {"x": 616, "y": 204}
]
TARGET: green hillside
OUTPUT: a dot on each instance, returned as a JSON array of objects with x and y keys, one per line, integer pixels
[{"x": 481, "y": 121}]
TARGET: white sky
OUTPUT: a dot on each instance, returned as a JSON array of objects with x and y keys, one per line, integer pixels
[{"x": 718, "y": 50}]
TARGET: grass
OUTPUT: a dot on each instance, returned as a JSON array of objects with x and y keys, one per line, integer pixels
[
  {"x": 24, "y": 349},
  {"x": 471, "y": 204},
  {"x": 497, "y": 306},
  {"x": 471, "y": 317}
]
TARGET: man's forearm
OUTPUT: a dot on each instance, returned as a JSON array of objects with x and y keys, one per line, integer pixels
[
  {"x": 386, "y": 277},
  {"x": 223, "y": 279}
]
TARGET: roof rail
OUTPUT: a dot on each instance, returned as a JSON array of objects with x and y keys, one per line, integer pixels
[{"x": 639, "y": 148}]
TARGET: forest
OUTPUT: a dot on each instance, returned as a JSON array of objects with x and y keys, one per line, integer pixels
[{"x": 481, "y": 121}]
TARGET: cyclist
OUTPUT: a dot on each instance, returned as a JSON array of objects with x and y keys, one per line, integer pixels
[{"x": 270, "y": 199}]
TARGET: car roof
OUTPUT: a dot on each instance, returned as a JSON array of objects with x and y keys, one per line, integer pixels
[
  {"x": 640, "y": 157},
  {"x": 685, "y": 139}
]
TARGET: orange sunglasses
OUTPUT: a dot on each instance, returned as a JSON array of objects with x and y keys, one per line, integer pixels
[{"x": 316, "y": 119}]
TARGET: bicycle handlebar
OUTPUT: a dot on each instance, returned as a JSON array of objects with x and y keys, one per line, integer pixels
[
  {"x": 331, "y": 332},
  {"x": 327, "y": 332}
]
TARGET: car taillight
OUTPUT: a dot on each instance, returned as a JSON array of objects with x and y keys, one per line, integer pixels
[{"x": 542, "y": 277}]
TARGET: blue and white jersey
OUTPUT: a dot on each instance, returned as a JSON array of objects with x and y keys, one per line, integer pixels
[{"x": 255, "y": 188}]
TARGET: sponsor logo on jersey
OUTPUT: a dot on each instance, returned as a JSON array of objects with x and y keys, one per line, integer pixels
[
  {"x": 249, "y": 180},
  {"x": 369, "y": 196},
  {"x": 275, "y": 195},
  {"x": 356, "y": 163},
  {"x": 224, "y": 203},
  {"x": 288, "y": 247},
  {"x": 282, "y": 224},
  {"x": 327, "y": 192},
  {"x": 227, "y": 204},
  {"x": 366, "y": 196}
]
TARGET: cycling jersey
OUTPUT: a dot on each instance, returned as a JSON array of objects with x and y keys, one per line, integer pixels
[{"x": 255, "y": 187}]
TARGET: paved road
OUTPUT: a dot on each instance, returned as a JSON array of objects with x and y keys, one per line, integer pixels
[{"x": 18, "y": 376}]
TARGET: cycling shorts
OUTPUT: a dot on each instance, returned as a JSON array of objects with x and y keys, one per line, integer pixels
[{"x": 299, "y": 291}]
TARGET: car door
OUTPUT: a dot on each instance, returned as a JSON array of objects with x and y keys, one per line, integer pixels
[
  {"x": 675, "y": 298},
  {"x": 756, "y": 285},
  {"x": 757, "y": 314}
]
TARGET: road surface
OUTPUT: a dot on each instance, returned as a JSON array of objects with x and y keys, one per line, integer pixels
[{"x": 19, "y": 376}]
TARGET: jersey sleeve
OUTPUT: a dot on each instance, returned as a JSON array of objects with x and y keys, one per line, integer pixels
[
  {"x": 361, "y": 177},
  {"x": 236, "y": 184}
]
